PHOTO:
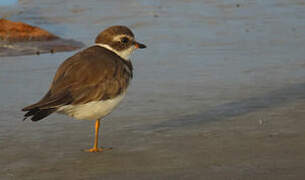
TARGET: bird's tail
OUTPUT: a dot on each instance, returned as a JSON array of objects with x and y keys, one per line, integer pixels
[{"x": 37, "y": 114}]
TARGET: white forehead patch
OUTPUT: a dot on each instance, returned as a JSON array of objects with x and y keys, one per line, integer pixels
[{"x": 119, "y": 37}]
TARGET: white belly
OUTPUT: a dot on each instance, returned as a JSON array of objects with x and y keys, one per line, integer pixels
[{"x": 92, "y": 110}]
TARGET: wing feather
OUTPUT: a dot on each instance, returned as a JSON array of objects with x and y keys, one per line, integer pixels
[{"x": 91, "y": 75}]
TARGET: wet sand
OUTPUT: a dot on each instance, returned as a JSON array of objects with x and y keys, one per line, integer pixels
[{"x": 218, "y": 94}]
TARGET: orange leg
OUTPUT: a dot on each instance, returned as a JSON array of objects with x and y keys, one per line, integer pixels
[{"x": 95, "y": 148}]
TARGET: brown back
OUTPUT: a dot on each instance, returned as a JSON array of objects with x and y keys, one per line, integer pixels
[{"x": 93, "y": 74}]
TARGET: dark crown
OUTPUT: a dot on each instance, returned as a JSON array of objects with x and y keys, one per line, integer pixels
[{"x": 107, "y": 35}]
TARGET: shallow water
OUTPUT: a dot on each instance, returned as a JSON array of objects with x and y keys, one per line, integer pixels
[
  {"x": 8, "y": 2},
  {"x": 206, "y": 61}
]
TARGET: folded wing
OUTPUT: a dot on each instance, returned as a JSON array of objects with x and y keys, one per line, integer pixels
[{"x": 93, "y": 74}]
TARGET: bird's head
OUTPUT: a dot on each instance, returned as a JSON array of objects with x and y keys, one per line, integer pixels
[{"x": 120, "y": 40}]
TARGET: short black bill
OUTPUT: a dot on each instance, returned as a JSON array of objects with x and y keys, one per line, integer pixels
[{"x": 139, "y": 45}]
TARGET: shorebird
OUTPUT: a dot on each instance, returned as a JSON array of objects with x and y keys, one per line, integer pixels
[{"x": 91, "y": 83}]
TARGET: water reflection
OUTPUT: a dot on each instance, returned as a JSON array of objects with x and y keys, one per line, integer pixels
[{"x": 8, "y": 2}]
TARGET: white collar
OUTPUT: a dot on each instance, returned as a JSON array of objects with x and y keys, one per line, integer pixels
[{"x": 123, "y": 54}]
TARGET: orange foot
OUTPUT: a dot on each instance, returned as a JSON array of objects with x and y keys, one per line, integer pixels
[{"x": 97, "y": 149}]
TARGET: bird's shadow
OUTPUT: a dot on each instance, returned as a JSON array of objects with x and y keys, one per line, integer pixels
[{"x": 226, "y": 111}]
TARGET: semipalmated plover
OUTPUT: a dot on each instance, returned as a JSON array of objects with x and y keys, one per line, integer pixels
[{"x": 91, "y": 83}]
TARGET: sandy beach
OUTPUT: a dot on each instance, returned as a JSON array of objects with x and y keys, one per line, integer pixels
[{"x": 218, "y": 94}]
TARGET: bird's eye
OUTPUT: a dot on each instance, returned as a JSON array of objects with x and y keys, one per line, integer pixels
[{"x": 124, "y": 40}]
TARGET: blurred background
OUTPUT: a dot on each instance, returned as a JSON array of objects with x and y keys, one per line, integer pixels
[{"x": 218, "y": 94}]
